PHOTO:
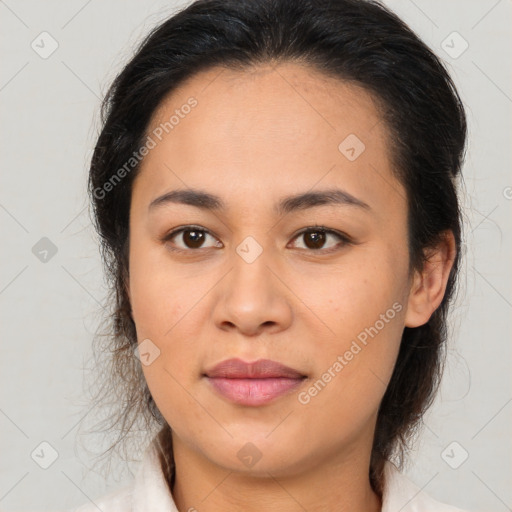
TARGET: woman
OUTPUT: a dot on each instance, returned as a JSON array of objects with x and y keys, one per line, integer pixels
[{"x": 275, "y": 189}]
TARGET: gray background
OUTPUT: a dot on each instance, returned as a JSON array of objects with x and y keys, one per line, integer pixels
[{"x": 50, "y": 309}]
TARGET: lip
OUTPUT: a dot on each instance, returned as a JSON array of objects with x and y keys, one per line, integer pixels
[
  {"x": 260, "y": 369},
  {"x": 255, "y": 383}
]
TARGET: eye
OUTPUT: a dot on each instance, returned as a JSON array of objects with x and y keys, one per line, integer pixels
[
  {"x": 192, "y": 237},
  {"x": 315, "y": 238}
]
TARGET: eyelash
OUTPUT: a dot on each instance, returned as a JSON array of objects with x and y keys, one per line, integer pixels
[{"x": 345, "y": 239}]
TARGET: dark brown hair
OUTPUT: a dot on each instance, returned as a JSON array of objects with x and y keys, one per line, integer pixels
[{"x": 356, "y": 41}]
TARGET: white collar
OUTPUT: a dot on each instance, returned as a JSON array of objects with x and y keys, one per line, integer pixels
[{"x": 150, "y": 492}]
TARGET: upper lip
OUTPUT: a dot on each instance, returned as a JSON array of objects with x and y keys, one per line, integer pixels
[{"x": 261, "y": 369}]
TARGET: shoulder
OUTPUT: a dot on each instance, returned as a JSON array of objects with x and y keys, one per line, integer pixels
[
  {"x": 118, "y": 501},
  {"x": 148, "y": 491},
  {"x": 402, "y": 494}
]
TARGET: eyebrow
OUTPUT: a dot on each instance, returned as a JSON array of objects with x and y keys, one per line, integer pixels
[{"x": 207, "y": 201}]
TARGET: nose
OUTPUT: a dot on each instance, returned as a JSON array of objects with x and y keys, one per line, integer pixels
[{"x": 252, "y": 299}]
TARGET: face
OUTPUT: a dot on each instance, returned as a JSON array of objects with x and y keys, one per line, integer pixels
[{"x": 249, "y": 275}]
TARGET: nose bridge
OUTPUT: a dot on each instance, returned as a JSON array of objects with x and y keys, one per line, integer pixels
[
  {"x": 251, "y": 277},
  {"x": 251, "y": 296}
]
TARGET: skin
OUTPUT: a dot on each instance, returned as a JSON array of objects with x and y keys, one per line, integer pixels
[{"x": 254, "y": 137}]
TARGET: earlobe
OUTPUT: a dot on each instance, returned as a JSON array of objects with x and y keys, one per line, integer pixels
[{"x": 429, "y": 284}]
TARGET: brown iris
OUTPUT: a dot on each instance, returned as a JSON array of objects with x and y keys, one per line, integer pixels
[
  {"x": 193, "y": 238},
  {"x": 317, "y": 239}
]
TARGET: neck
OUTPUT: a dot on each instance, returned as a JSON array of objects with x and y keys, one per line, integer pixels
[{"x": 340, "y": 484}]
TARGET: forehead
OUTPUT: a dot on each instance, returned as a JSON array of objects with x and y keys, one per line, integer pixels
[
  {"x": 286, "y": 127},
  {"x": 291, "y": 100}
]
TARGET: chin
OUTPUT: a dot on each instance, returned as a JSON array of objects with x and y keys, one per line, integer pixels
[{"x": 258, "y": 456}]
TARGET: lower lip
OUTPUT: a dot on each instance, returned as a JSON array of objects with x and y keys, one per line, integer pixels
[{"x": 253, "y": 391}]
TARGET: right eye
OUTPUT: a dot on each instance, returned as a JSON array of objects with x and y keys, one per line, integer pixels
[{"x": 192, "y": 238}]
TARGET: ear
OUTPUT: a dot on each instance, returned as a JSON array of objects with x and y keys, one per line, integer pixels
[{"x": 429, "y": 285}]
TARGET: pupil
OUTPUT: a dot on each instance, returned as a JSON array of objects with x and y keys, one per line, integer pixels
[
  {"x": 195, "y": 240},
  {"x": 318, "y": 238}
]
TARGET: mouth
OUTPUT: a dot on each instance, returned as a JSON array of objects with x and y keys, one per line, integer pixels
[{"x": 254, "y": 383}]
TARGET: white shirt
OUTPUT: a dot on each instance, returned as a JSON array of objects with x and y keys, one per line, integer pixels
[{"x": 149, "y": 492}]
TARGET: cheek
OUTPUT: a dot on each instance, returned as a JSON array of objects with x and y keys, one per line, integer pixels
[
  {"x": 353, "y": 297},
  {"x": 354, "y": 369},
  {"x": 170, "y": 307},
  {"x": 159, "y": 295},
  {"x": 161, "y": 299},
  {"x": 362, "y": 308},
  {"x": 168, "y": 318}
]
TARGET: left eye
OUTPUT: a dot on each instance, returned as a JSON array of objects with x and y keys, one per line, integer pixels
[{"x": 315, "y": 238}]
